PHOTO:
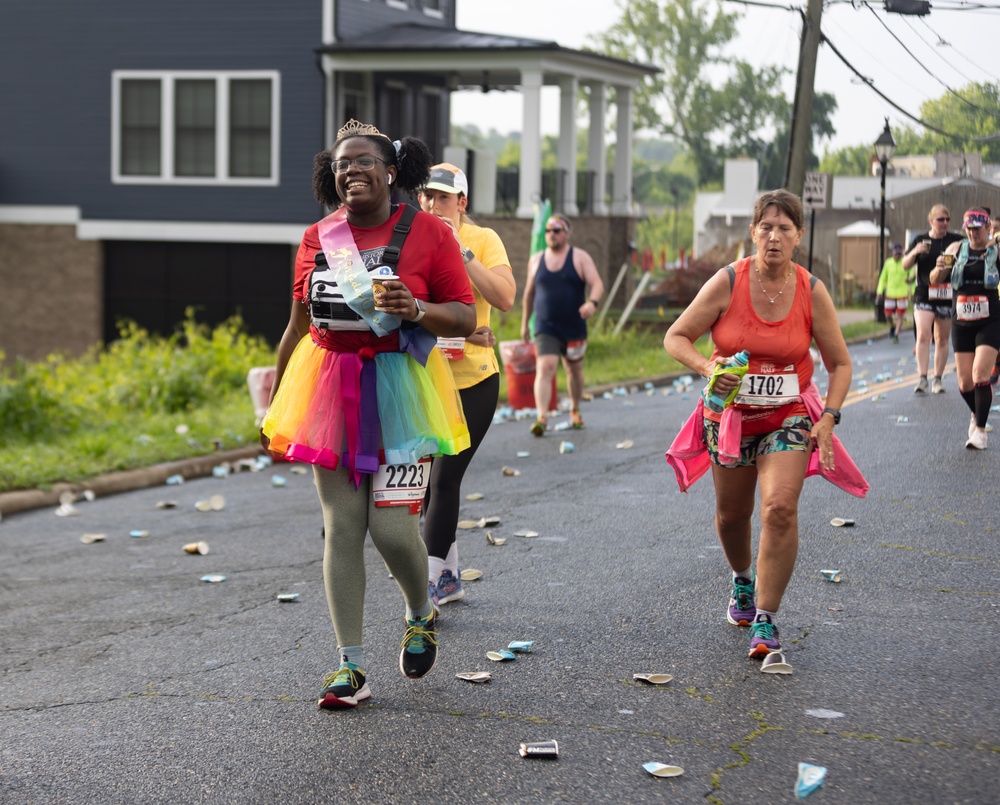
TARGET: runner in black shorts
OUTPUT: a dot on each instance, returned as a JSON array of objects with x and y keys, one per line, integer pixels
[
  {"x": 932, "y": 303},
  {"x": 976, "y": 309}
]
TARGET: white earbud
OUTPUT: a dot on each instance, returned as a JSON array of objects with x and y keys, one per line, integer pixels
[{"x": 389, "y": 179}]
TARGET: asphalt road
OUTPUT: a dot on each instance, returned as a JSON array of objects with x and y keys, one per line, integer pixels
[{"x": 128, "y": 680}]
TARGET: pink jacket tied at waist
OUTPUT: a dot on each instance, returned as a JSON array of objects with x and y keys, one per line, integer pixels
[{"x": 688, "y": 454}]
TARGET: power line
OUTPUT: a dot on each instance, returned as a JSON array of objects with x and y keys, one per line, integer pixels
[
  {"x": 942, "y": 42},
  {"x": 925, "y": 68},
  {"x": 900, "y": 109}
]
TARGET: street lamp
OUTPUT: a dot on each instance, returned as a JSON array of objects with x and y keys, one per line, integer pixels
[{"x": 885, "y": 147}]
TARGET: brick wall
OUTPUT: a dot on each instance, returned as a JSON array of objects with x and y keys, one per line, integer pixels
[{"x": 51, "y": 293}]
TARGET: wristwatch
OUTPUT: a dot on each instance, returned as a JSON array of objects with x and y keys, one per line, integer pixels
[
  {"x": 467, "y": 255},
  {"x": 595, "y": 302},
  {"x": 421, "y": 310},
  {"x": 834, "y": 413}
]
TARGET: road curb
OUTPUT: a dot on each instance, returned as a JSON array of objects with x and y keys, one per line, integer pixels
[{"x": 113, "y": 483}]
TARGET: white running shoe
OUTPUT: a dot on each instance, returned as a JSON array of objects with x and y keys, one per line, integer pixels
[
  {"x": 977, "y": 441},
  {"x": 937, "y": 387},
  {"x": 921, "y": 387}
]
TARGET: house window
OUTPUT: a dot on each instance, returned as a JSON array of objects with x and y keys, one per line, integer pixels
[
  {"x": 433, "y": 8},
  {"x": 191, "y": 127}
]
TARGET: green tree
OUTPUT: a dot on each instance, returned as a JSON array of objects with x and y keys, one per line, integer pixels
[
  {"x": 686, "y": 38},
  {"x": 854, "y": 160}
]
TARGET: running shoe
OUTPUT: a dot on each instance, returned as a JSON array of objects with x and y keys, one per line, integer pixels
[
  {"x": 448, "y": 588},
  {"x": 576, "y": 421},
  {"x": 742, "y": 609},
  {"x": 977, "y": 441},
  {"x": 344, "y": 688},
  {"x": 763, "y": 637},
  {"x": 921, "y": 386},
  {"x": 538, "y": 429},
  {"x": 937, "y": 387},
  {"x": 433, "y": 596},
  {"x": 418, "y": 651}
]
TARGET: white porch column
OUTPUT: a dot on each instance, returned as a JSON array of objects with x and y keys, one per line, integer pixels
[
  {"x": 567, "y": 141},
  {"x": 621, "y": 198},
  {"x": 531, "y": 144},
  {"x": 597, "y": 147}
]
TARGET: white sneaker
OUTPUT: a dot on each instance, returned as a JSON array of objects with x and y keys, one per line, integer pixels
[
  {"x": 937, "y": 387},
  {"x": 972, "y": 425},
  {"x": 921, "y": 386},
  {"x": 977, "y": 441}
]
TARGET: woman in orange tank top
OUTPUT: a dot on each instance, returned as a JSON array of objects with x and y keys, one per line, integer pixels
[{"x": 773, "y": 308}]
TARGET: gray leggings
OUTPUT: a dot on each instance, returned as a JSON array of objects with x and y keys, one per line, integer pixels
[{"x": 348, "y": 515}]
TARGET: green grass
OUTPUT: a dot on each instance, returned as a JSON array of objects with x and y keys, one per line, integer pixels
[{"x": 120, "y": 408}]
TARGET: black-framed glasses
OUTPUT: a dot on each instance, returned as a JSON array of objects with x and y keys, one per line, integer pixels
[{"x": 361, "y": 163}]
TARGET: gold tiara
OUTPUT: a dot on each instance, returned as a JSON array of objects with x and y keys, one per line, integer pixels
[{"x": 355, "y": 128}]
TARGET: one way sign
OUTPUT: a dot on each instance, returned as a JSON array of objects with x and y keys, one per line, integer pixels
[{"x": 814, "y": 191}]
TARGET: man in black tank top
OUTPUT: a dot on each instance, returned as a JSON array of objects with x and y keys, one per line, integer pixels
[{"x": 556, "y": 293}]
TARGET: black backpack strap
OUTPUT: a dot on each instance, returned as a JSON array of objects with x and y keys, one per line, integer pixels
[{"x": 390, "y": 256}]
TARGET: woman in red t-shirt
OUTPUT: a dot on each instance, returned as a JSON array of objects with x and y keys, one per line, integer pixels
[
  {"x": 361, "y": 393},
  {"x": 773, "y": 308}
]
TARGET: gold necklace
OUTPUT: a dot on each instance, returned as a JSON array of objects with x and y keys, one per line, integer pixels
[{"x": 772, "y": 299}]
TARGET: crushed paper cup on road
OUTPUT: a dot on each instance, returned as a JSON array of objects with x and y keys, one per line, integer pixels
[
  {"x": 138, "y": 533},
  {"x": 200, "y": 548},
  {"x": 810, "y": 778},
  {"x": 653, "y": 679},
  {"x": 495, "y": 540},
  {"x": 821, "y": 713},
  {"x": 488, "y": 522},
  {"x": 656, "y": 769},
  {"x": 67, "y": 510},
  {"x": 175, "y": 480},
  {"x": 468, "y": 524},
  {"x": 278, "y": 481},
  {"x": 166, "y": 504},
  {"x": 471, "y": 574},
  {"x": 88, "y": 539},
  {"x": 297, "y": 469},
  {"x": 775, "y": 663},
  {"x": 474, "y": 496},
  {"x": 222, "y": 471},
  {"x": 213, "y": 578},
  {"x": 523, "y": 453},
  {"x": 566, "y": 447},
  {"x": 539, "y": 749},
  {"x": 287, "y": 598},
  {"x": 520, "y": 646},
  {"x": 842, "y": 522},
  {"x": 510, "y": 473},
  {"x": 66, "y": 498},
  {"x": 527, "y": 534},
  {"x": 624, "y": 445},
  {"x": 501, "y": 656},
  {"x": 474, "y": 676},
  {"x": 832, "y": 575}
]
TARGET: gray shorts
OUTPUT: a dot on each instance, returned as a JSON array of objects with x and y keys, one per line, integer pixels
[{"x": 546, "y": 344}]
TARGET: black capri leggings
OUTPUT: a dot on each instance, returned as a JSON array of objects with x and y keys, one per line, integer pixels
[{"x": 444, "y": 492}]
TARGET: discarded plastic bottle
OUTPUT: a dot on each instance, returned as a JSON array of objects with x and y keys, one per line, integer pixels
[{"x": 735, "y": 365}]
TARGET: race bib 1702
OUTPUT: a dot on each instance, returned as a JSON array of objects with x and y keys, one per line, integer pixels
[{"x": 768, "y": 390}]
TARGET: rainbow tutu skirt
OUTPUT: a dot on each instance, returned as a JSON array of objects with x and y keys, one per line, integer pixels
[{"x": 362, "y": 409}]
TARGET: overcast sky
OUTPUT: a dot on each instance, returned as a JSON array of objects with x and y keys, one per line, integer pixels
[{"x": 770, "y": 36}]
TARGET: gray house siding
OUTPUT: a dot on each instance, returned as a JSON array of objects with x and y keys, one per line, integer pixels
[
  {"x": 357, "y": 17},
  {"x": 57, "y": 149}
]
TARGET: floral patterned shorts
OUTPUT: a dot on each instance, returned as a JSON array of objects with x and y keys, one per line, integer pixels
[{"x": 792, "y": 435}]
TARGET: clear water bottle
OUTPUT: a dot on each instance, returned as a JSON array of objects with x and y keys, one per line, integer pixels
[{"x": 739, "y": 363}]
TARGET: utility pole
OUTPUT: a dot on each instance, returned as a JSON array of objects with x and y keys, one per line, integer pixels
[{"x": 802, "y": 110}]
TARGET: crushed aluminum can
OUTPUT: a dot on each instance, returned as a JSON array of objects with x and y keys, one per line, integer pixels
[
  {"x": 521, "y": 646},
  {"x": 278, "y": 481},
  {"x": 566, "y": 447},
  {"x": 213, "y": 578},
  {"x": 287, "y": 598},
  {"x": 539, "y": 749},
  {"x": 200, "y": 548},
  {"x": 138, "y": 533},
  {"x": 835, "y": 576},
  {"x": 175, "y": 480},
  {"x": 500, "y": 656},
  {"x": 810, "y": 778},
  {"x": 88, "y": 539},
  {"x": 656, "y": 769}
]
